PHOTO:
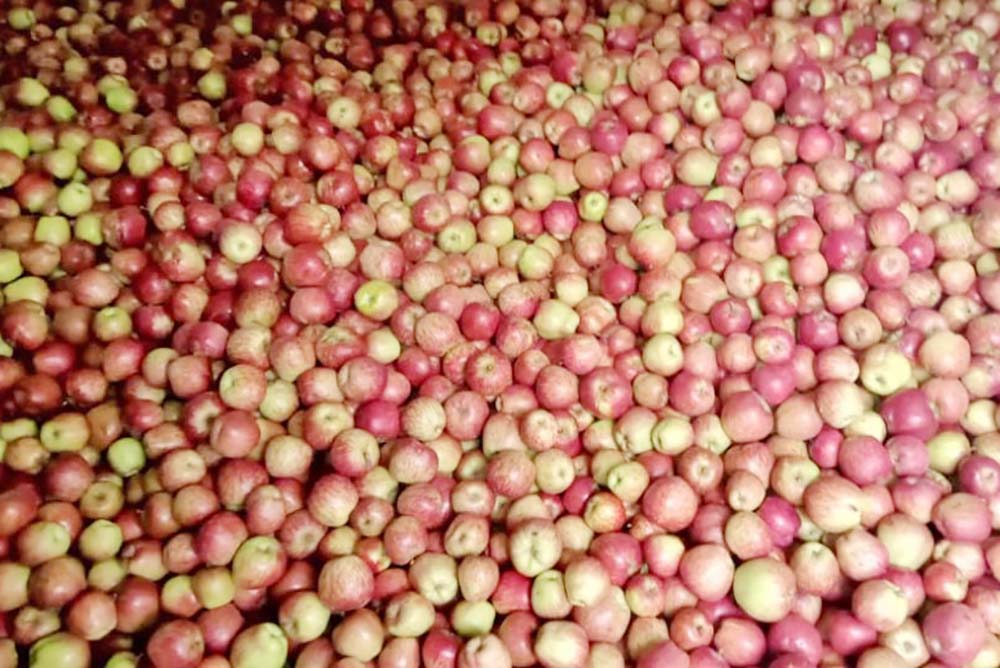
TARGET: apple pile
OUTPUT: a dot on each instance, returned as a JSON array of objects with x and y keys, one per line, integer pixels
[{"x": 500, "y": 334}]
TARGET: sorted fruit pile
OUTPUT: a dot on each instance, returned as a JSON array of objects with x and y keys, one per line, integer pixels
[{"x": 500, "y": 333}]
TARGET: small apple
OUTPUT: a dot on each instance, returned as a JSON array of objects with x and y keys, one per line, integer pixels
[
  {"x": 260, "y": 646},
  {"x": 60, "y": 650},
  {"x": 560, "y": 644}
]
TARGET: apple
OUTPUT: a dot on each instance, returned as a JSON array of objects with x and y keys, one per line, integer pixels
[
  {"x": 60, "y": 649},
  {"x": 534, "y": 546},
  {"x": 303, "y": 616},
  {"x": 176, "y": 643},
  {"x": 485, "y": 651},
  {"x": 263, "y": 645},
  {"x": 359, "y": 636},
  {"x": 561, "y": 644}
]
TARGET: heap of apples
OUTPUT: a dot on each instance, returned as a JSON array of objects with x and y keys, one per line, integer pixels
[{"x": 500, "y": 334}]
